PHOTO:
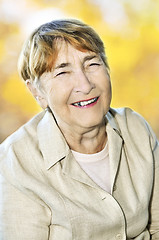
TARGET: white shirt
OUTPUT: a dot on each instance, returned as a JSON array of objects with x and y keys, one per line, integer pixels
[{"x": 96, "y": 166}]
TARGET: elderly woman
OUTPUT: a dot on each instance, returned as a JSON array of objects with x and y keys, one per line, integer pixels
[{"x": 79, "y": 170}]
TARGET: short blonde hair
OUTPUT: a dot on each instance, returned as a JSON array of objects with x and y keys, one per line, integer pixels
[{"x": 41, "y": 48}]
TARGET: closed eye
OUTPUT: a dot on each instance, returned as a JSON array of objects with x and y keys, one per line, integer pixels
[
  {"x": 94, "y": 64},
  {"x": 91, "y": 67},
  {"x": 61, "y": 73}
]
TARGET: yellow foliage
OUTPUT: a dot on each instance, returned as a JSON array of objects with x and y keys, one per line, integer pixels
[
  {"x": 2, "y": 49},
  {"x": 133, "y": 54},
  {"x": 15, "y": 92}
]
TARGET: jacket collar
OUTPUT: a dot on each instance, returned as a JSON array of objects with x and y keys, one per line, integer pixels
[
  {"x": 115, "y": 142},
  {"x": 52, "y": 143}
]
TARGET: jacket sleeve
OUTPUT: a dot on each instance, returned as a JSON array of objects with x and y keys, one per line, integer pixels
[
  {"x": 154, "y": 204},
  {"x": 20, "y": 217}
]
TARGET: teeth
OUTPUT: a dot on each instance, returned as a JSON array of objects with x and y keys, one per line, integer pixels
[{"x": 85, "y": 103}]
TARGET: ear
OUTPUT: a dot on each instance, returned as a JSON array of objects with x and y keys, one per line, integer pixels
[{"x": 37, "y": 93}]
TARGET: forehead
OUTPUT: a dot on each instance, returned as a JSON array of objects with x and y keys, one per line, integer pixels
[{"x": 68, "y": 54}]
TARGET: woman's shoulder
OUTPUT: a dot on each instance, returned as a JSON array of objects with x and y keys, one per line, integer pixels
[
  {"x": 127, "y": 116},
  {"x": 19, "y": 152},
  {"x": 133, "y": 124}
]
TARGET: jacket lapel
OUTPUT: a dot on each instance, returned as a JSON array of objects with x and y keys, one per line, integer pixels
[
  {"x": 51, "y": 141},
  {"x": 115, "y": 146},
  {"x": 73, "y": 170},
  {"x": 115, "y": 143}
]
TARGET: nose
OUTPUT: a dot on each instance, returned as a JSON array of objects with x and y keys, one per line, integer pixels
[{"x": 83, "y": 83}]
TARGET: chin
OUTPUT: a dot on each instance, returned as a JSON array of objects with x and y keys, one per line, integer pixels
[{"x": 92, "y": 123}]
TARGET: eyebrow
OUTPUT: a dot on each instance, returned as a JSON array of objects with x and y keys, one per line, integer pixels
[
  {"x": 62, "y": 65},
  {"x": 90, "y": 57}
]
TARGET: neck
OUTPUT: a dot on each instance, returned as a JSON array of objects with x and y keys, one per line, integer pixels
[{"x": 86, "y": 141}]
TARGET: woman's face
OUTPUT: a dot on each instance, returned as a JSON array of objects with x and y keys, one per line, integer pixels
[{"x": 78, "y": 90}]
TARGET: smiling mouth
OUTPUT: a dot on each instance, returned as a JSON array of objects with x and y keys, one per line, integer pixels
[{"x": 86, "y": 103}]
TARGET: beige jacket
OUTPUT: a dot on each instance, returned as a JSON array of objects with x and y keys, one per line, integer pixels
[{"x": 45, "y": 195}]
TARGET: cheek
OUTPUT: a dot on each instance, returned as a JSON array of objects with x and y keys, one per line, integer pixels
[
  {"x": 107, "y": 91},
  {"x": 106, "y": 84},
  {"x": 59, "y": 97},
  {"x": 109, "y": 87}
]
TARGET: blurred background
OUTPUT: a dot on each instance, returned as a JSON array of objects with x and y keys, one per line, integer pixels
[{"x": 129, "y": 29}]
